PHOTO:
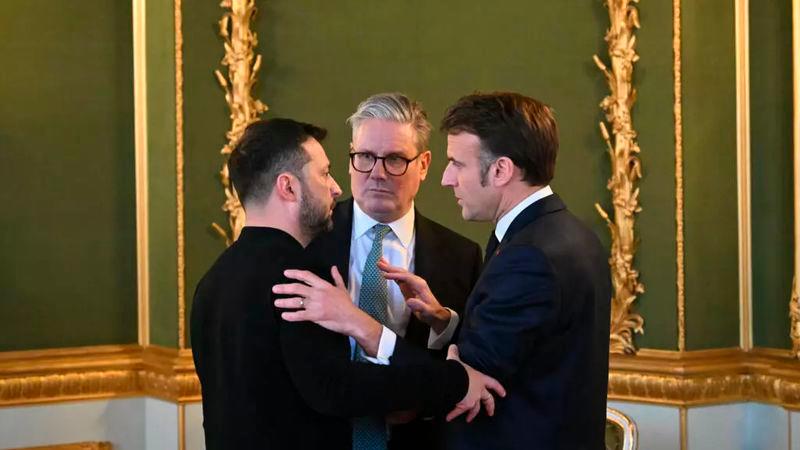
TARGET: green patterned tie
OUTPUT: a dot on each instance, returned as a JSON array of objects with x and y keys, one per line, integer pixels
[{"x": 369, "y": 433}]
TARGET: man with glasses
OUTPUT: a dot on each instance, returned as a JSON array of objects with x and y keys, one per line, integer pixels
[{"x": 389, "y": 158}]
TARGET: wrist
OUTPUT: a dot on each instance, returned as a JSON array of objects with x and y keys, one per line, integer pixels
[
  {"x": 367, "y": 332},
  {"x": 440, "y": 320}
]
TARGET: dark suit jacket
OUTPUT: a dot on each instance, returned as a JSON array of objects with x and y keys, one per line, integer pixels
[
  {"x": 538, "y": 321},
  {"x": 272, "y": 384},
  {"x": 449, "y": 262}
]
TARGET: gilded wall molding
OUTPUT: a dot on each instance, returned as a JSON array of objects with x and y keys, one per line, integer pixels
[
  {"x": 180, "y": 213},
  {"x": 678, "y": 115},
  {"x": 75, "y": 446},
  {"x": 626, "y": 170},
  {"x": 243, "y": 65},
  {"x": 142, "y": 179},
  {"x": 652, "y": 376},
  {"x": 794, "y": 297},
  {"x": 86, "y": 373},
  {"x": 706, "y": 377},
  {"x": 743, "y": 172}
]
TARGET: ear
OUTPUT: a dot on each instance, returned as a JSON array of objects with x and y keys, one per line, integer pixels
[
  {"x": 424, "y": 164},
  {"x": 502, "y": 172},
  {"x": 287, "y": 187}
]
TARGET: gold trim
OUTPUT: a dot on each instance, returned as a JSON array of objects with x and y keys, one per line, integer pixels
[
  {"x": 43, "y": 376},
  {"x": 630, "y": 435},
  {"x": 743, "y": 172},
  {"x": 243, "y": 64},
  {"x": 794, "y": 298},
  {"x": 652, "y": 376},
  {"x": 678, "y": 113},
  {"x": 179, "y": 176},
  {"x": 684, "y": 428},
  {"x": 140, "y": 133},
  {"x": 82, "y": 373},
  {"x": 706, "y": 377},
  {"x": 75, "y": 446},
  {"x": 626, "y": 171},
  {"x": 181, "y": 427}
]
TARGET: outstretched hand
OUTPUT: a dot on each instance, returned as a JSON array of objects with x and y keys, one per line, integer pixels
[
  {"x": 418, "y": 295},
  {"x": 478, "y": 393}
]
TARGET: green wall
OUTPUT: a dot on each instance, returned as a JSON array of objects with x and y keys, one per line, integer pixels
[
  {"x": 67, "y": 231},
  {"x": 161, "y": 154},
  {"x": 68, "y": 112},
  {"x": 709, "y": 131},
  {"x": 322, "y": 58},
  {"x": 771, "y": 176}
]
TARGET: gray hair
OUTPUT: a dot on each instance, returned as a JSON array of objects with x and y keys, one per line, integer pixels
[{"x": 394, "y": 107}]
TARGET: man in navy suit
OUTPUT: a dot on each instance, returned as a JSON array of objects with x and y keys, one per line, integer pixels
[{"x": 538, "y": 318}]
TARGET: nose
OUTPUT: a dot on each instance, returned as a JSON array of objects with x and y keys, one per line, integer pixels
[
  {"x": 378, "y": 171},
  {"x": 448, "y": 180},
  {"x": 336, "y": 191}
]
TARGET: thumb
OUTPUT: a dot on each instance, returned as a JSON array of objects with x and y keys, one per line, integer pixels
[
  {"x": 337, "y": 278},
  {"x": 452, "y": 352}
]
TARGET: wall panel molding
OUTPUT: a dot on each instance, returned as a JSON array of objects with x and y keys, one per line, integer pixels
[{"x": 653, "y": 376}]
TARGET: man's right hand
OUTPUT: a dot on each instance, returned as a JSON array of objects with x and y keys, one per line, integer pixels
[
  {"x": 329, "y": 306},
  {"x": 478, "y": 392}
]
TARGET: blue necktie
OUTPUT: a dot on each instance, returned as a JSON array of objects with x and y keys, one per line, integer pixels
[{"x": 369, "y": 433}]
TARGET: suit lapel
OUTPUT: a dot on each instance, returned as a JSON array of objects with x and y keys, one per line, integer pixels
[
  {"x": 425, "y": 263},
  {"x": 544, "y": 206},
  {"x": 550, "y": 204}
]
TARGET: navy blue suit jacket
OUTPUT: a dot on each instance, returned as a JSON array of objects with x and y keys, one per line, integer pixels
[{"x": 538, "y": 321}]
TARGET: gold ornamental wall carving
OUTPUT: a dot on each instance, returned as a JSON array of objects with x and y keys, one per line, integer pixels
[
  {"x": 626, "y": 170},
  {"x": 243, "y": 66}
]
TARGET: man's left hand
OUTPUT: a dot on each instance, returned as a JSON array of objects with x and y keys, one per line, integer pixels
[{"x": 418, "y": 295}]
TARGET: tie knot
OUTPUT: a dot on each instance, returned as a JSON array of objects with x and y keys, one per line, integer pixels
[{"x": 381, "y": 231}]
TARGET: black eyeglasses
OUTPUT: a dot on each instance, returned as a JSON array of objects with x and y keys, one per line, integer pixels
[{"x": 395, "y": 165}]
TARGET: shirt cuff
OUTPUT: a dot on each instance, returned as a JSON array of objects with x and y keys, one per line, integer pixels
[
  {"x": 437, "y": 341},
  {"x": 385, "y": 348}
]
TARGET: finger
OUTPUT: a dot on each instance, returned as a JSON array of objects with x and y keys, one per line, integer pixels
[
  {"x": 384, "y": 265},
  {"x": 405, "y": 277},
  {"x": 337, "y": 277},
  {"x": 305, "y": 276},
  {"x": 474, "y": 412},
  {"x": 295, "y": 316},
  {"x": 417, "y": 305},
  {"x": 290, "y": 303},
  {"x": 298, "y": 289},
  {"x": 452, "y": 352},
  {"x": 457, "y": 411},
  {"x": 494, "y": 385},
  {"x": 488, "y": 402}
]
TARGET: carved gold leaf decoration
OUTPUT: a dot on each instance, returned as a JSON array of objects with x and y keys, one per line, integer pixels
[
  {"x": 243, "y": 66},
  {"x": 626, "y": 170}
]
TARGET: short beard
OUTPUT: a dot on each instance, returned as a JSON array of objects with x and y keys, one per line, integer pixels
[{"x": 314, "y": 215}]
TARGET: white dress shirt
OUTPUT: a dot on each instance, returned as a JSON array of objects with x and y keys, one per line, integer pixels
[
  {"x": 398, "y": 250},
  {"x": 508, "y": 218}
]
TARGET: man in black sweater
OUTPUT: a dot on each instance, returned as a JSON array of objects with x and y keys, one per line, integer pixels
[{"x": 268, "y": 383}]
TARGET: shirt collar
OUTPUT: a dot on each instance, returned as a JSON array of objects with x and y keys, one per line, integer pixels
[
  {"x": 403, "y": 227},
  {"x": 505, "y": 221}
]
